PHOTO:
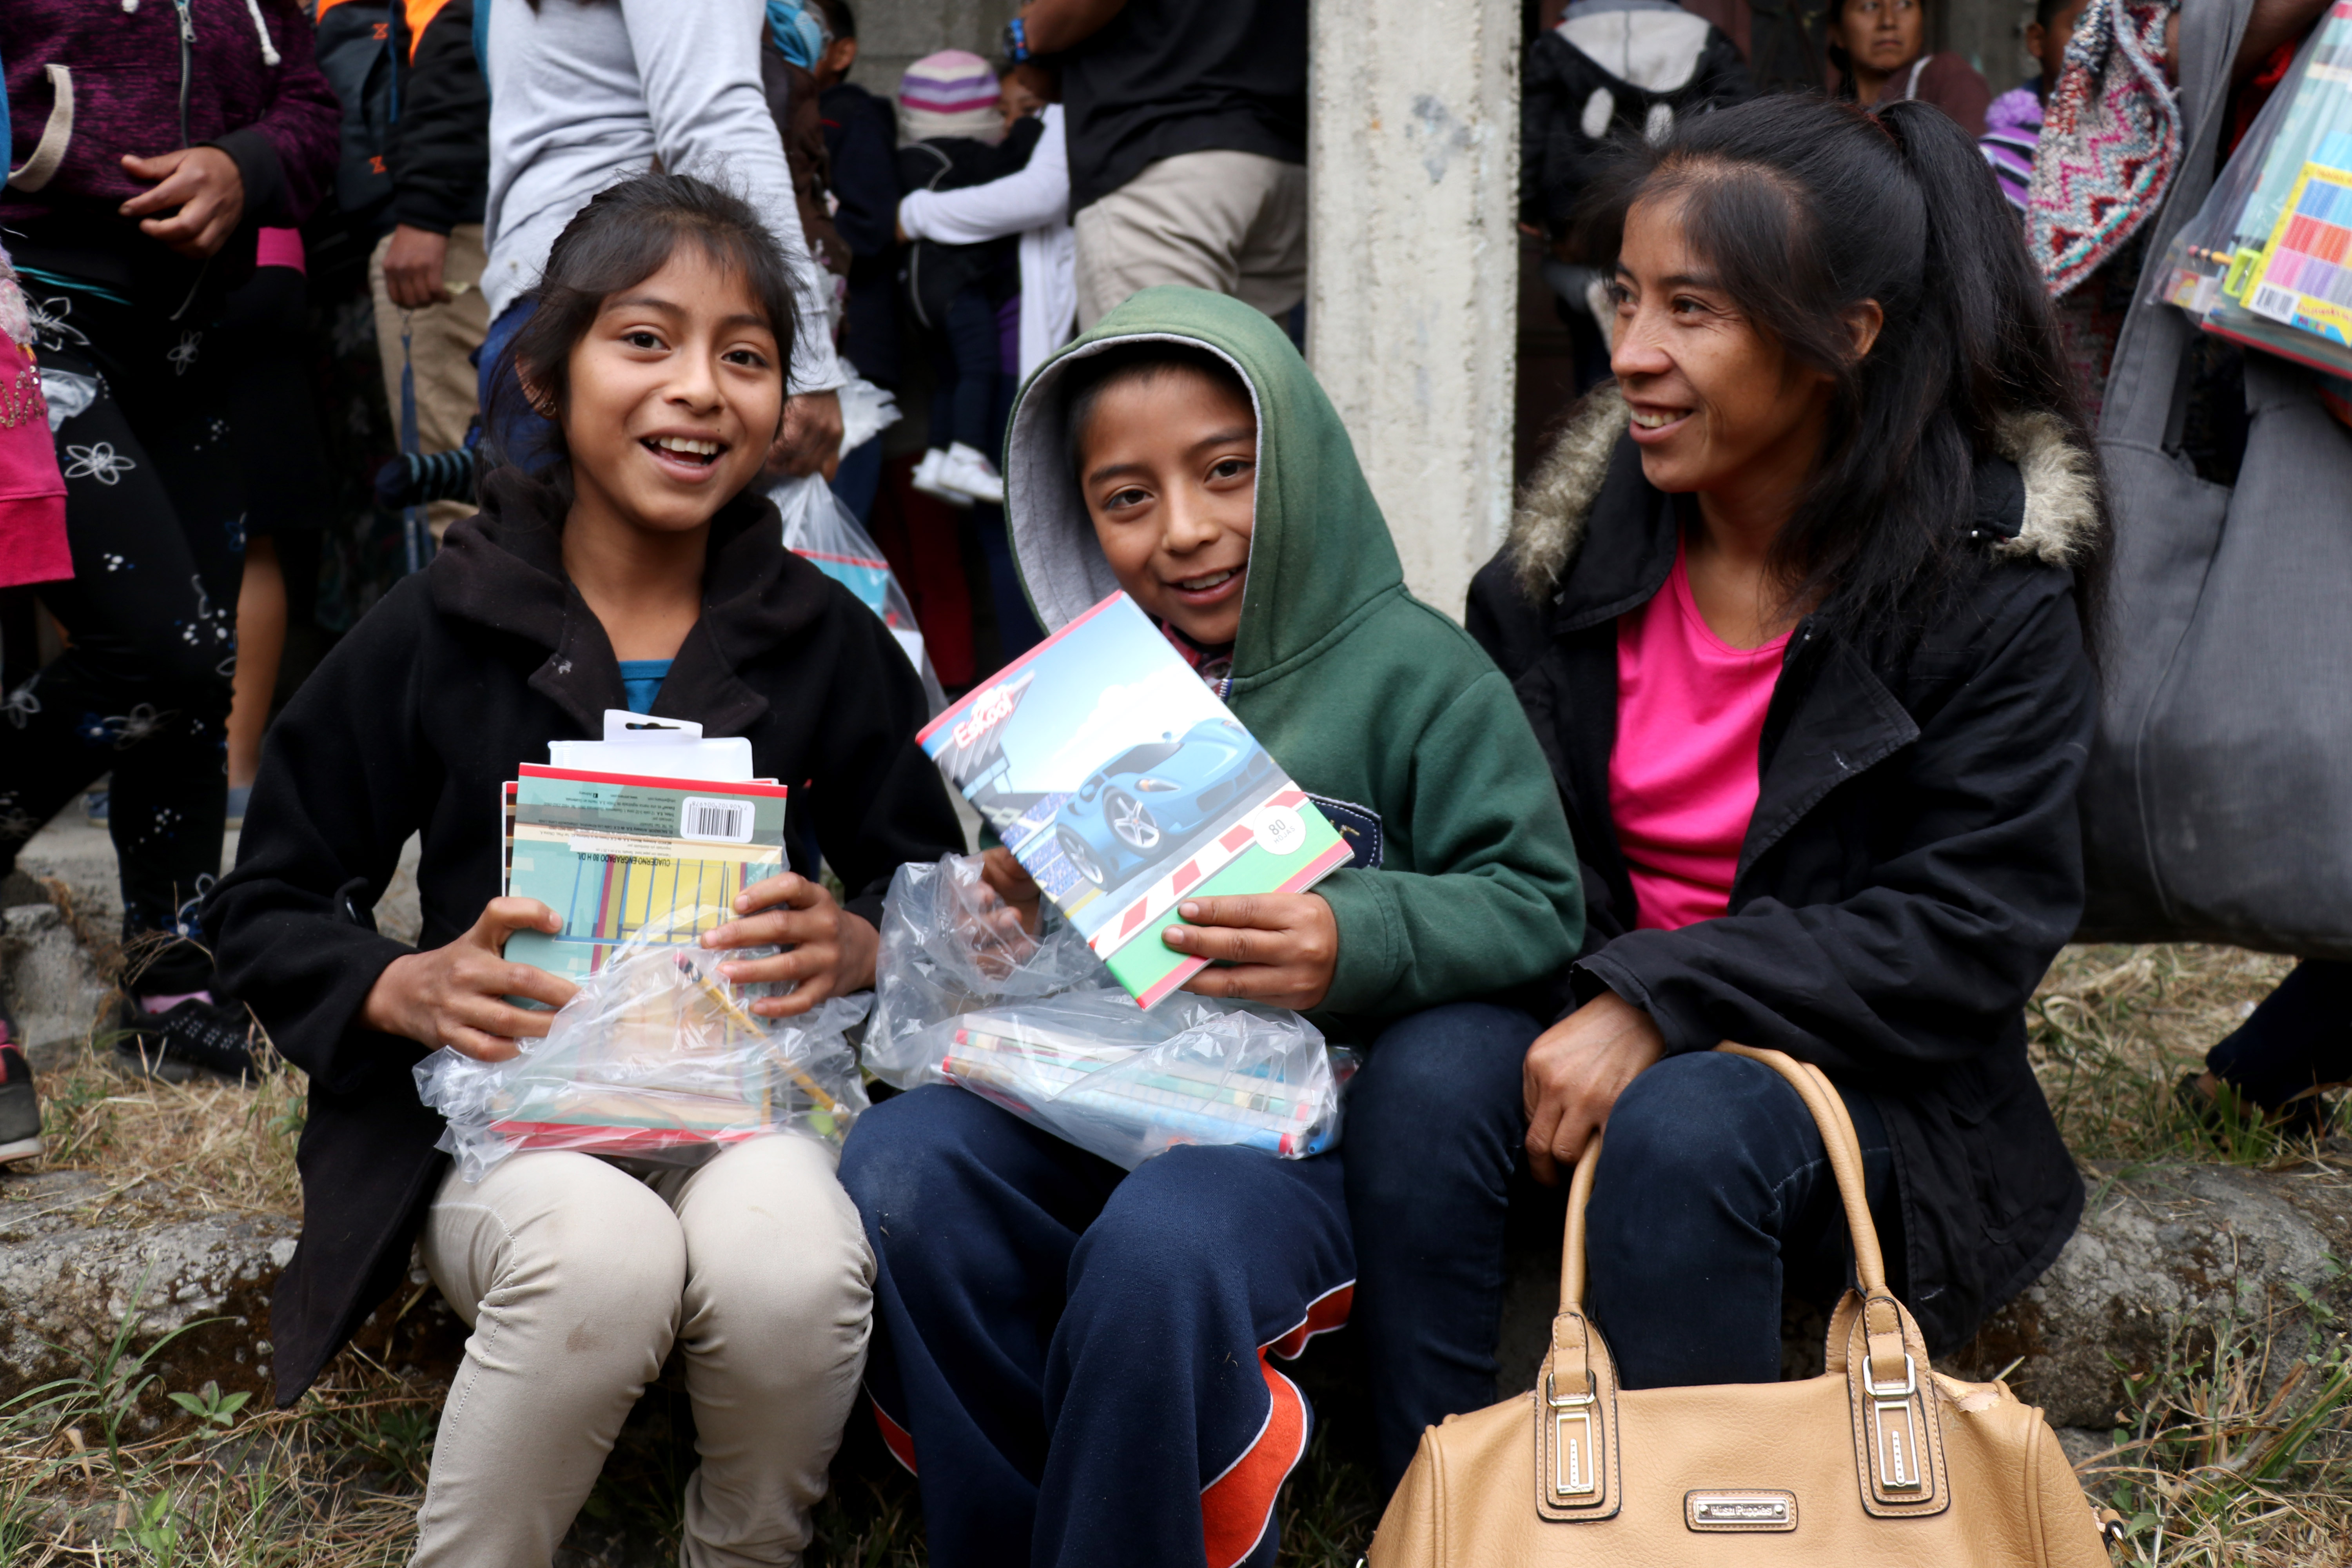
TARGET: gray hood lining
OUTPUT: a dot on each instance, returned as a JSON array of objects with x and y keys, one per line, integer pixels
[{"x": 1061, "y": 562}]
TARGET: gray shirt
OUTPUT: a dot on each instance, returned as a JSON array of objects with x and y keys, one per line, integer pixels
[{"x": 585, "y": 95}]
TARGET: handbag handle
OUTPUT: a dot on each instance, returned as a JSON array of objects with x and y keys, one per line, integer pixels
[
  {"x": 1874, "y": 1345},
  {"x": 1829, "y": 1112}
]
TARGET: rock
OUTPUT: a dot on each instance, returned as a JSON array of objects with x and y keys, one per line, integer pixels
[
  {"x": 2173, "y": 1251},
  {"x": 68, "y": 1280},
  {"x": 2164, "y": 1250},
  {"x": 77, "y": 854},
  {"x": 53, "y": 985}
]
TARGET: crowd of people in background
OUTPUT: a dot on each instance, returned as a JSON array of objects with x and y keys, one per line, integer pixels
[{"x": 282, "y": 291}]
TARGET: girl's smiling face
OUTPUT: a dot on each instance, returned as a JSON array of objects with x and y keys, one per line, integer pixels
[{"x": 676, "y": 391}]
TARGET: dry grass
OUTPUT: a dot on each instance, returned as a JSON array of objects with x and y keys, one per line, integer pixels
[
  {"x": 205, "y": 1146},
  {"x": 2228, "y": 1461},
  {"x": 2224, "y": 1459},
  {"x": 2112, "y": 1029}
]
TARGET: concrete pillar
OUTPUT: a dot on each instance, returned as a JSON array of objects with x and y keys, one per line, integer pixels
[{"x": 1413, "y": 265}]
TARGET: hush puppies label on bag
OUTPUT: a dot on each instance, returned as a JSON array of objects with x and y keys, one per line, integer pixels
[
  {"x": 1735, "y": 1510},
  {"x": 1122, "y": 784}
]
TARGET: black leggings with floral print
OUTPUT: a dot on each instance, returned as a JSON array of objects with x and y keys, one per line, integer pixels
[{"x": 154, "y": 511}]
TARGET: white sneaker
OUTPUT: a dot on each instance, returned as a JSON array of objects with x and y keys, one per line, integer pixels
[
  {"x": 927, "y": 479},
  {"x": 966, "y": 471}
]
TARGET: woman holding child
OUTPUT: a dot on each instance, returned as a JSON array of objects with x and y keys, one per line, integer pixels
[{"x": 1797, "y": 609}]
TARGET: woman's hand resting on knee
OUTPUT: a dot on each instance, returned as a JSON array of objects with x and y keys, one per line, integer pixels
[
  {"x": 456, "y": 995},
  {"x": 830, "y": 951},
  {"x": 1574, "y": 1073}
]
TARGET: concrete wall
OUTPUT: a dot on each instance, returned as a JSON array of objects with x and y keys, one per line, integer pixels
[
  {"x": 1411, "y": 305},
  {"x": 894, "y": 33}
]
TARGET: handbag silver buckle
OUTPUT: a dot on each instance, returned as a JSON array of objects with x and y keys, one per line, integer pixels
[
  {"x": 1897, "y": 1444},
  {"x": 1575, "y": 1443},
  {"x": 1903, "y": 1390},
  {"x": 1592, "y": 1391}
]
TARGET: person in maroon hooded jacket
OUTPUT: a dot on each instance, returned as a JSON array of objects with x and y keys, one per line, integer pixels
[{"x": 150, "y": 142}]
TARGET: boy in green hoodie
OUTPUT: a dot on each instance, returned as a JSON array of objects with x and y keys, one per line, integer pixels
[{"x": 1076, "y": 1360}]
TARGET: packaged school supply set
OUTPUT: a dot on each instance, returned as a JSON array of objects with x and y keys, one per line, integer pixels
[
  {"x": 965, "y": 997},
  {"x": 640, "y": 842},
  {"x": 1124, "y": 787},
  {"x": 2267, "y": 259},
  {"x": 819, "y": 529}
]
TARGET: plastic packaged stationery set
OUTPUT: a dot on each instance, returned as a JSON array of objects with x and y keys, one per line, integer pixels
[
  {"x": 656, "y": 1059},
  {"x": 640, "y": 842},
  {"x": 818, "y": 527},
  {"x": 1039, "y": 1027},
  {"x": 1124, "y": 787},
  {"x": 2267, "y": 260}
]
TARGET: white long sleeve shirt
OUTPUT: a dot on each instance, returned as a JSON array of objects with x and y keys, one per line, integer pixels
[
  {"x": 1034, "y": 203},
  {"x": 584, "y": 95}
]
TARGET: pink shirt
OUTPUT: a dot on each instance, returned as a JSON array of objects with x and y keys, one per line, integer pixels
[{"x": 1682, "y": 776}]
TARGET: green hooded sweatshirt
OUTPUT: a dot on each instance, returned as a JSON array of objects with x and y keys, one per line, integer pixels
[{"x": 1366, "y": 696}]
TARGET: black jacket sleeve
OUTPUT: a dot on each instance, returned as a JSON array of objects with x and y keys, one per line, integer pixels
[
  {"x": 865, "y": 180},
  {"x": 346, "y": 776},
  {"x": 1964, "y": 912},
  {"x": 439, "y": 148},
  {"x": 882, "y": 802}
]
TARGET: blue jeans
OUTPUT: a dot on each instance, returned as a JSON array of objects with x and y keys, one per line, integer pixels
[
  {"x": 1079, "y": 1363},
  {"x": 1713, "y": 1198}
]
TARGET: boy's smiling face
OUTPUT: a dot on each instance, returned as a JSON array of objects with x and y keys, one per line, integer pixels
[{"x": 1169, "y": 470}]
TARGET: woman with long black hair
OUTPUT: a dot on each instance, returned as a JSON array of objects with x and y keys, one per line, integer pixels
[{"x": 1797, "y": 608}]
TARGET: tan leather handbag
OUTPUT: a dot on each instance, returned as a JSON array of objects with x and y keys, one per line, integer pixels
[{"x": 1879, "y": 1460}]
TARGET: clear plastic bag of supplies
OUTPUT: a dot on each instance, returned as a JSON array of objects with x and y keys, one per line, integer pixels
[
  {"x": 656, "y": 1059},
  {"x": 818, "y": 527},
  {"x": 2267, "y": 260},
  {"x": 1037, "y": 1026}
]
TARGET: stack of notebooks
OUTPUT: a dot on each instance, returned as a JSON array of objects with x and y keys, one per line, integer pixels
[
  {"x": 1124, "y": 786},
  {"x": 641, "y": 843}
]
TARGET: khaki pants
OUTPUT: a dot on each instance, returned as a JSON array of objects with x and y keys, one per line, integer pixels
[
  {"x": 439, "y": 339},
  {"x": 1232, "y": 223},
  {"x": 577, "y": 1278}
]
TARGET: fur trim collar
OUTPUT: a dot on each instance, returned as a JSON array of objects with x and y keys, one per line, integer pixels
[{"x": 2062, "y": 493}]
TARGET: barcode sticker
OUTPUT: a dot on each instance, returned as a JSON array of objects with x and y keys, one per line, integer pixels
[
  {"x": 708, "y": 821},
  {"x": 2278, "y": 304}
]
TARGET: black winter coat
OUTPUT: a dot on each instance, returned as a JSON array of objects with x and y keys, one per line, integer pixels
[
  {"x": 438, "y": 149},
  {"x": 463, "y": 673},
  {"x": 1914, "y": 863}
]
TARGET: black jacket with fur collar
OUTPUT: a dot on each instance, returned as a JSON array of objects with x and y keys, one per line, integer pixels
[
  {"x": 1914, "y": 863},
  {"x": 411, "y": 725}
]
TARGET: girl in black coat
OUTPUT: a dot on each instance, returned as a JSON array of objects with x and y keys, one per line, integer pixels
[
  {"x": 1795, "y": 609},
  {"x": 638, "y": 555}
]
